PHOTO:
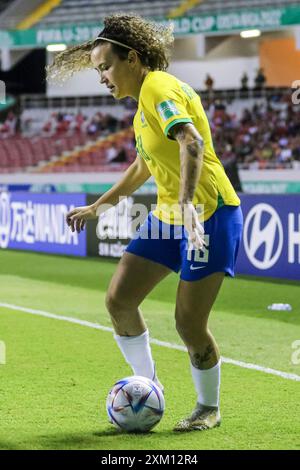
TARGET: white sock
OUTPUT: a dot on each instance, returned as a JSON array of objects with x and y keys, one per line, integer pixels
[
  {"x": 137, "y": 353},
  {"x": 207, "y": 384}
]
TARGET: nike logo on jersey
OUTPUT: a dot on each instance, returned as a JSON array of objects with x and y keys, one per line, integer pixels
[{"x": 193, "y": 268}]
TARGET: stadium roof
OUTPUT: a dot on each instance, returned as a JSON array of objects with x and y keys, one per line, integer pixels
[
  {"x": 72, "y": 11},
  {"x": 218, "y": 6},
  {"x": 12, "y": 12}
]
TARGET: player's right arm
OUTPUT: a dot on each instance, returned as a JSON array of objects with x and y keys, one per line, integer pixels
[{"x": 134, "y": 177}]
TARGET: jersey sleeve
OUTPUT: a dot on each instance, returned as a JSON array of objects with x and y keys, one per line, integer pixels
[{"x": 168, "y": 107}]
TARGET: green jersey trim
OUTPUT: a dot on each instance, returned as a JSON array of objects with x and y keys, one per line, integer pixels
[
  {"x": 176, "y": 121},
  {"x": 221, "y": 202}
]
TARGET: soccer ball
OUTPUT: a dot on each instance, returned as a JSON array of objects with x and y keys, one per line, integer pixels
[{"x": 135, "y": 404}]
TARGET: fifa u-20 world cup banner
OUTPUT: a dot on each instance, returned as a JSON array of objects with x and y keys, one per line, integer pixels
[
  {"x": 235, "y": 20},
  {"x": 37, "y": 222},
  {"x": 271, "y": 237}
]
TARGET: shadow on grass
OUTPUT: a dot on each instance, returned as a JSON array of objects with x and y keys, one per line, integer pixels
[
  {"x": 7, "y": 445},
  {"x": 108, "y": 439}
]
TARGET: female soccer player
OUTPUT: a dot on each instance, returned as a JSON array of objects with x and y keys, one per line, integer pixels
[{"x": 174, "y": 145}]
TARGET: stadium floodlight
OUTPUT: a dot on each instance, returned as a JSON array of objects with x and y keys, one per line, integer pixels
[
  {"x": 250, "y": 33},
  {"x": 56, "y": 47}
]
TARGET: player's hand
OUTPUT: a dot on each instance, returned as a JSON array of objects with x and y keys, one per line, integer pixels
[
  {"x": 193, "y": 226},
  {"x": 76, "y": 218}
]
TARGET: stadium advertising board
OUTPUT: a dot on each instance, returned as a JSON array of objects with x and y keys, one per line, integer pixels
[
  {"x": 263, "y": 18},
  {"x": 36, "y": 222},
  {"x": 271, "y": 239},
  {"x": 111, "y": 233}
]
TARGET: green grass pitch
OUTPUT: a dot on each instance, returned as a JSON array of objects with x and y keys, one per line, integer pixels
[{"x": 57, "y": 374}]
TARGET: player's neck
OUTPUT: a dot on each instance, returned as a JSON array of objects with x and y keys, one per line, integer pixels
[{"x": 139, "y": 82}]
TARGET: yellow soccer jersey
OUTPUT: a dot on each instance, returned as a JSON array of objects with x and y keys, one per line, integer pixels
[{"x": 164, "y": 101}]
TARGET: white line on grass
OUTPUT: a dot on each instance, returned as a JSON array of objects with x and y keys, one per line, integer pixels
[{"x": 96, "y": 326}]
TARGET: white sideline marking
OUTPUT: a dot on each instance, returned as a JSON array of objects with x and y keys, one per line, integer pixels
[{"x": 245, "y": 365}]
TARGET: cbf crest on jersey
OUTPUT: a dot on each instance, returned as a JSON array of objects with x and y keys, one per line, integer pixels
[{"x": 167, "y": 109}]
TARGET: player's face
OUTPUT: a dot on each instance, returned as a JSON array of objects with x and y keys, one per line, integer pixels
[{"x": 114, "y": 72}]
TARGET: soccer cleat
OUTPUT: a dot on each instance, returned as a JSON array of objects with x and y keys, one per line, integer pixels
[{"x": 202, "y": 418}]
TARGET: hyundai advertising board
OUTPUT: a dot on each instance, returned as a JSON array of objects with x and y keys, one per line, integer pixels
[
  {"x": 271, "y": 238},
  {"x": 36, "y": 222}
]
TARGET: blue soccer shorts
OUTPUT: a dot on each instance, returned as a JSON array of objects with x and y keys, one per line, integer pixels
[{"x": 168, "y": 244}]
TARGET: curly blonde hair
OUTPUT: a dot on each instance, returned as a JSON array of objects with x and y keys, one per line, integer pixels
[{"x": 152, "y": 42}]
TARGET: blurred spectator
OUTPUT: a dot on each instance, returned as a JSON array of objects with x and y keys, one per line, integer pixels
[
  {"x": 244, "y": 85},
  {"x": 260, "y": 79},
  {"x": 209, "y": 83},
  {"x": 95, "y": 124},
  {"x": 78, "y": 122},
  {"x": 263, "y": 135},
  {"x": 115, "y": 154},
  {"x": 111, "y": 153},
  {"x": 8, "y": 128},
  {"x": 244, "y": 82}
]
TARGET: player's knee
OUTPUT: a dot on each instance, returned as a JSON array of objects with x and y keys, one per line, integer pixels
[
  {"x": 182, "y": 318},
  {"x": 182, "y": 324},
  {"x": 188, "y": 325},
  {"x": 184, "y": 328},
  {"x": 114, "y": 305}
]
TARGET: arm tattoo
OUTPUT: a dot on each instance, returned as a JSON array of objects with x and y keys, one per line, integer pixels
[
  {"x": 195, "y": 147},
  {"x": 191, "y": 157},
  {"x": 178, "y": 132}
]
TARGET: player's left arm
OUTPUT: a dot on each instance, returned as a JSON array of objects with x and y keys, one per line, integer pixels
[{"x": 191, "y": 148}]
